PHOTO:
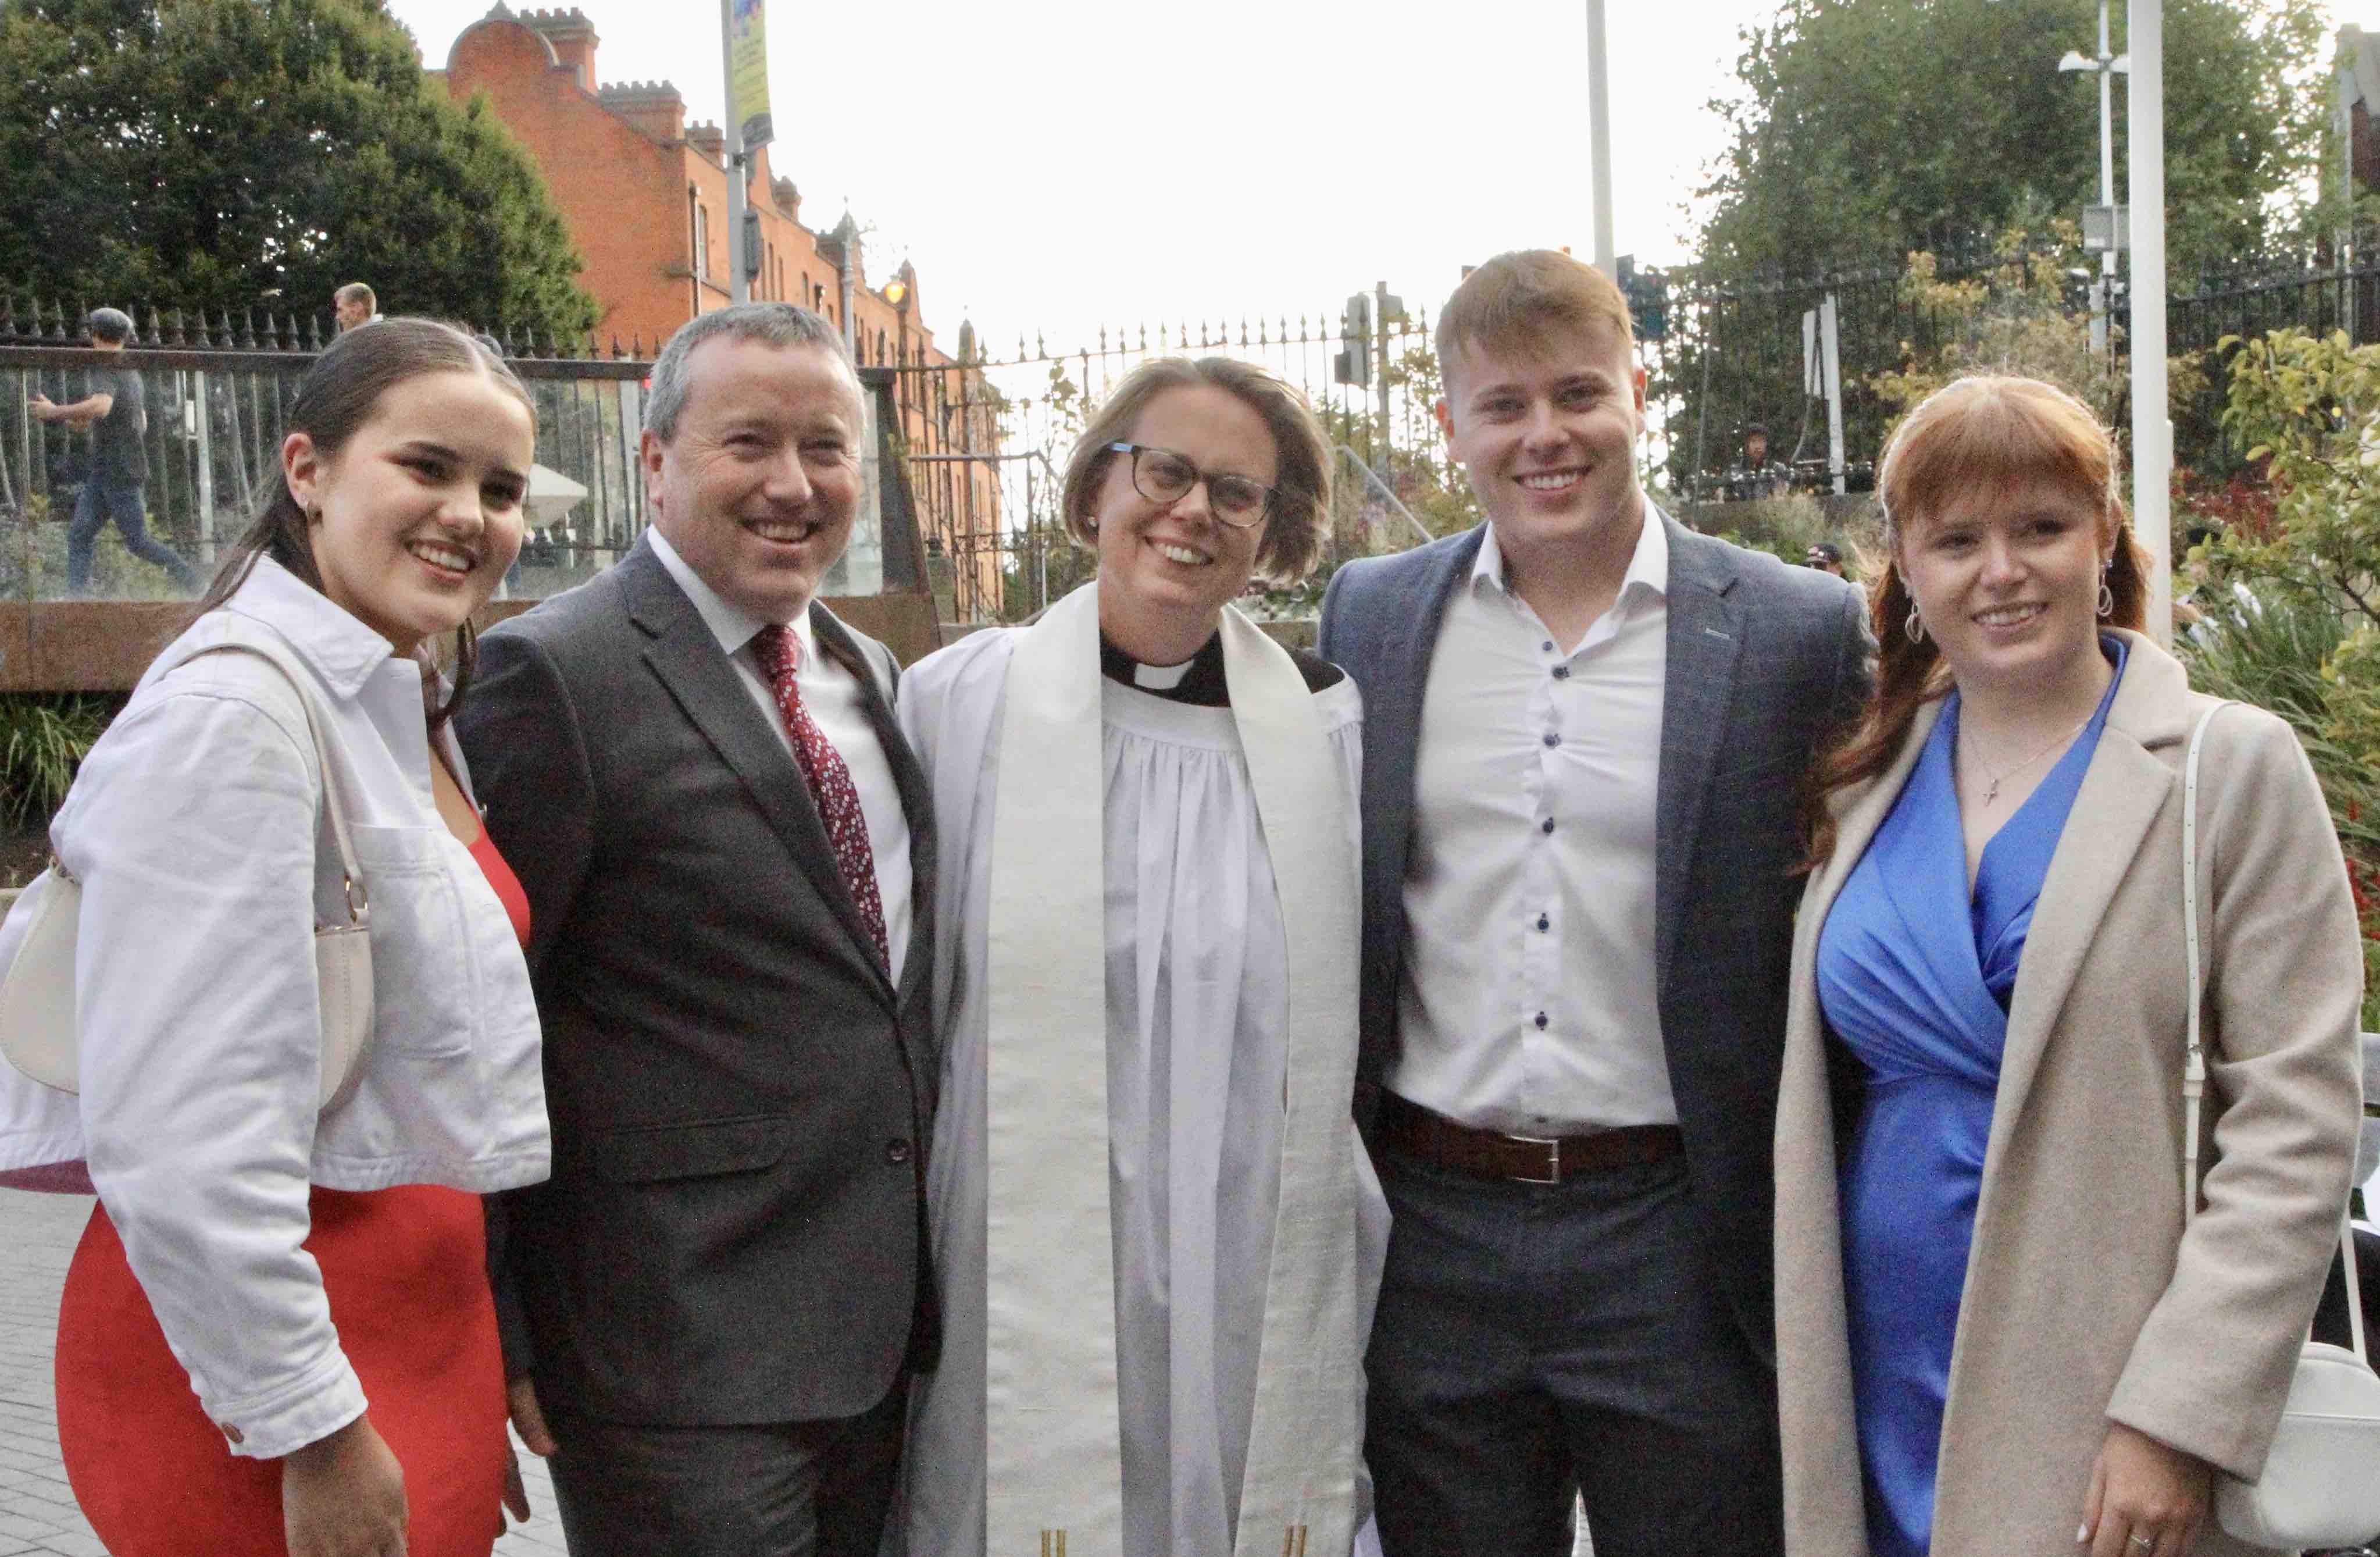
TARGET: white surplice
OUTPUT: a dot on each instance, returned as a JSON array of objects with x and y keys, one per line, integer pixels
[{"x": 1196, "y": 999}]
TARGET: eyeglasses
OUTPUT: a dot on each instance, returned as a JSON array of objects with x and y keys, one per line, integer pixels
[{"x": 1162, "y": 476}]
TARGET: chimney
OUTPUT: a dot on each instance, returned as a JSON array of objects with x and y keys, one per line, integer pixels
[
  {"x": 707, "y": 139},
  {"x": 786, "y": 198},
  {"x": 653, "y": 108},
  {"x": 572, "y": 38}
]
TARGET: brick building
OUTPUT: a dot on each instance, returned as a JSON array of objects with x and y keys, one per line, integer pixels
[{"x": 645, "y": 196}]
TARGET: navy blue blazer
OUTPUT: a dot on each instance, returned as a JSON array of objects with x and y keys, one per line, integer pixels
[{"x": 1764, "y": 661}]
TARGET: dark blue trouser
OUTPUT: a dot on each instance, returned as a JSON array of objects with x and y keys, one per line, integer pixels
[
  {"x": 104, "y": 499},
  {"x": 1535, "y": 1343}
]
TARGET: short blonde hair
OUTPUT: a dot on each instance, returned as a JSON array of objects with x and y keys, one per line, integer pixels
[
  {"x": 1301, "y": 505},
  {"x": 1508, "y": 306}
]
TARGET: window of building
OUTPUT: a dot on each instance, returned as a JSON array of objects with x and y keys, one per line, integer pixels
[{"x": 702, "y": 219}]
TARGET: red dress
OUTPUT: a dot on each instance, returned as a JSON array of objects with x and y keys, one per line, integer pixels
[{"x": 405, "y": 1273}]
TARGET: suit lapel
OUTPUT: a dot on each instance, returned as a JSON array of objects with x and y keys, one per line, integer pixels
[
  {"x": 1392, "y": 711},
  {"x": 686, "y": 656},
  {"x": 916, "y": 803},
  {"x": 1706, "y": 633}
]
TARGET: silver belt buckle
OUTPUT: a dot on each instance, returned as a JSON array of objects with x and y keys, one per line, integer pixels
[{"x": 1553, "y": 1160}]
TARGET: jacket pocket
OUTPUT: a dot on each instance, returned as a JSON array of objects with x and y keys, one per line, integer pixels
[
  {"x": 426, "y": 997},
  {"x": 649, "y": 1152}
]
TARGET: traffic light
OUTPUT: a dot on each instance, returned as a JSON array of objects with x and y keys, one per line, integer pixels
[
  {"x": 1647, "y": 295},
  {"x": 1353, "y": 364}
]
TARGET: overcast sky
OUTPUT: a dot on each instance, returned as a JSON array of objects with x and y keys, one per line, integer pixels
[{"x": 1057, "y": 163}]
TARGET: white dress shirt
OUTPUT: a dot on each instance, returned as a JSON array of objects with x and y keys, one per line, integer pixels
[
  {"x": 1529, "y": 996},
  {"x": 832, "y": 694},
  {"x": 194, "y": 828}
]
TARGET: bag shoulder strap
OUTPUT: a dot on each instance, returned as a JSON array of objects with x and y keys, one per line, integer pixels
[
  {"x": 2193, "y": 1074},
  {"x": 351, "y": 878}
]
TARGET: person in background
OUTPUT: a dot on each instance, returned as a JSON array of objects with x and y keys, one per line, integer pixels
[
  {"x": 1978, "y": 1138},
  {"x": 1144, "y": 1181},
  {"x": 1827, "y": 557},
  {"x": 354, "y": 304},
  {"x": 116, "y": 413},
  {"x": 1587, "y": 728},
  {"x": 713, "y": 1310},
  {"x": 277, "y": 1334},
  {"x": 1758, "y": 476}
]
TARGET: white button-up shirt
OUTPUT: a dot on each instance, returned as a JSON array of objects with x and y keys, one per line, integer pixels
[
  {"x": 195, "y": 830},
  {"x": 1529, "y": 1003},
  {"x": 832, "y": 694}
]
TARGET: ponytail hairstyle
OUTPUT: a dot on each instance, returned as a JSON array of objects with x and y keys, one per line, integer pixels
[
  {"x": 1979, "y": 434},
  {"x": 337, "y": 396}
]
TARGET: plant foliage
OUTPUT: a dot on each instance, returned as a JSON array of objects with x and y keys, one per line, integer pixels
[{"x": 215, "y": 153}]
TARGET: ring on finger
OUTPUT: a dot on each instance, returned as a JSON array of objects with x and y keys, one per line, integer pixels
[{"x": 2142, "y": 1541}]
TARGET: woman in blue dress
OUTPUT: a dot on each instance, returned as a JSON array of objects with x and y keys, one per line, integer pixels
[{"x": 1994, "y": 1336}]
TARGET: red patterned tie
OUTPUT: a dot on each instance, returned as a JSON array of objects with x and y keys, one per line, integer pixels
[{"x": 829, "y": 781}]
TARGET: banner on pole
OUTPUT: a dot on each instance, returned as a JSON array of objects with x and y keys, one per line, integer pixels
[{"x": 748, "y": 48}]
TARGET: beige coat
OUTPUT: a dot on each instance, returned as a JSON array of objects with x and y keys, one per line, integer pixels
[{"x": 2077, "y": 1307}]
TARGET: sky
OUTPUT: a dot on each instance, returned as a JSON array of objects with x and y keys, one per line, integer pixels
[{"x": 1053, "y": 166}]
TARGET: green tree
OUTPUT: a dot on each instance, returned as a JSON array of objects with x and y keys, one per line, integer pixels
[
  {"x": 1869, "y": 128},
  {"x": 215, "y": 153},
  {"x": 2305, "y": 617}
]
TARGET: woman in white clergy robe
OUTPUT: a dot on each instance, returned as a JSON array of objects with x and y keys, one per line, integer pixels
[{"x": 1158, "y": 1235}]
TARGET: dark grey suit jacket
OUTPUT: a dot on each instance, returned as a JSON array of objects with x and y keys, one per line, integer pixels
[
  {"x": 734, "y": 1231},
  {"x": 1764, "y": 661}
]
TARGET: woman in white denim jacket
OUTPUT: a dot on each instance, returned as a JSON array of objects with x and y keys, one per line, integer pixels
[{"x": 206, "y": 1402}]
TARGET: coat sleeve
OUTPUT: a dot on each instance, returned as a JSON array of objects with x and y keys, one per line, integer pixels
[
  {"x": 521, "y": 734},
  {"x": 2284, "y": 987},
  {"x": 193, "y": 831}
]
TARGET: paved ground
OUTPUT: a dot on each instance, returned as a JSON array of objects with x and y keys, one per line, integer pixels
[{"x": 38, "y": 1517}]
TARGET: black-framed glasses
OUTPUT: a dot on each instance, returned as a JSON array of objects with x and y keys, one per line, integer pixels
[{"x": 1162, "y": 476}]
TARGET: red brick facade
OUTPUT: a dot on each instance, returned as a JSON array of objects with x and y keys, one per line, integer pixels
[
  {"x": 637, "y": 186},
  {"x": 645, "y": 196}
]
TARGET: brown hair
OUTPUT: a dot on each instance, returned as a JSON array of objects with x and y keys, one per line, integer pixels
[
  {"x": 1509, "y": 305},
  {"x": 337, "y": 396},
  {"x": 1301, "y": 506},
  {"x": 1979, "y": 433}
]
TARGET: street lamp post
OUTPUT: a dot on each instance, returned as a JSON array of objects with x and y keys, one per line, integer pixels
[
  {"x": 739, "y": 281},
  {"x": 1598, "y": 115},
  {"x": 2152, "y": 431},
  {"x": 2108, "y": 65}
]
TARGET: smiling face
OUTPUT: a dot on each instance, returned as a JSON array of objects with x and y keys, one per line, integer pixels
[
  {"x": 1167, "y": 570},
  {"x": 2007, "y": 581},
  {"x": 1548, "y": 439},
  {"x": 419, "y": 510},
  {"x": 758, "y": 487}
]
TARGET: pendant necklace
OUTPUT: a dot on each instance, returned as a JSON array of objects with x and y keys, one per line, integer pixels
[{"x": 1992, "y": 787}]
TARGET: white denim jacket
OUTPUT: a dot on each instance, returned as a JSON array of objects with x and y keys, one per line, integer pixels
[{"x": 194, "y": 828}]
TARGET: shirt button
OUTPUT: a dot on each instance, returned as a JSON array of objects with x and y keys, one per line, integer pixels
[
  {"x": 1547, "y": 825},
  {"x": 1541, "y": 1020},
  {"x": 231, "y": 1432},
  {"x": 896, "y": 1152},
  {"x": 1561, "y": 673},
  {"x": 1552, "y": 739},
  {"x": 1548, "y": 646},
  {"x": 1544, "y": 924}
]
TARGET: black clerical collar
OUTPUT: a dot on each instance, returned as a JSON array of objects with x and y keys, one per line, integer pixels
[{"x": 1201, "y": 681}]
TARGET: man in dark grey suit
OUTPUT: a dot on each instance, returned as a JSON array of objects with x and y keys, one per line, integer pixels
[
  {"x": 694, "y": 768},
  {"x": 1585, "y": 729}
]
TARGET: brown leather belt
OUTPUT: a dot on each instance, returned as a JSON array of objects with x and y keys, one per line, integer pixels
[{"x": 1411, "y": 1131}]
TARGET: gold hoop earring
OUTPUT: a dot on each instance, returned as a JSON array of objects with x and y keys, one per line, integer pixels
[{"x": 1914, "y": 627}]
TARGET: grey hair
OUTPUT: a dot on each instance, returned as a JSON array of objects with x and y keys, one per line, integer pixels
[
  {"x": 778, "y": 324},
  {"x": 111, "y": 324}
]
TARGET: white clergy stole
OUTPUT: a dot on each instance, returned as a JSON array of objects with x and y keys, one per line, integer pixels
[{"x": 1054, "y": 1457}]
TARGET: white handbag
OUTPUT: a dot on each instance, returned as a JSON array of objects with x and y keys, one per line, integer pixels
[
  {"x": 2321, "y": 1482},
  {"x": 37, "y": 994}
]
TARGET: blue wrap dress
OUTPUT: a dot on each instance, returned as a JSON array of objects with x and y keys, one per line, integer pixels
[{"x": 1914, "y": 976}]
